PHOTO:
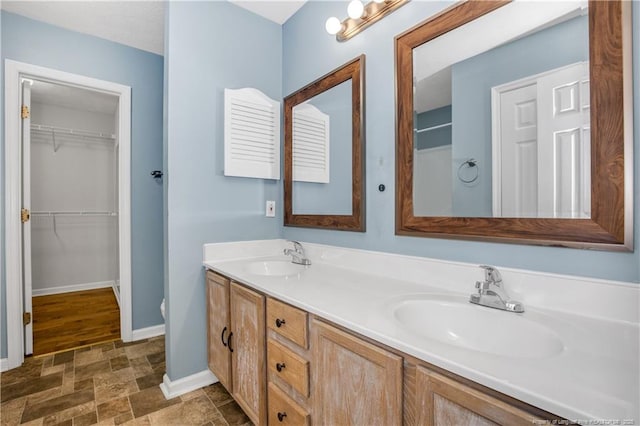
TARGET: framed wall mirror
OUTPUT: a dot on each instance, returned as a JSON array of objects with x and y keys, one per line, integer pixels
[
  {"x": 324, "y": 178},
  {"x": 514, "y": 124}
]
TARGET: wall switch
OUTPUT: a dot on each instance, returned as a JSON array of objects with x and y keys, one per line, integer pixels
[{"x": 271, "y": 209}]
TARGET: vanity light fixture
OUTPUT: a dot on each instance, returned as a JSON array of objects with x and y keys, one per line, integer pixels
[{"x": 361, "y": 16}]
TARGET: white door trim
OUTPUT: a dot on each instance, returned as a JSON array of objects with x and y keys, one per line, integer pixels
[
  {"x": 27, "y": 284},
  {"x": 14, "y": 71}
]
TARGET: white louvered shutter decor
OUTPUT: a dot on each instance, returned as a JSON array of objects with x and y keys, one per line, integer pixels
[
  {"x": 251, "y": 134},
  {"x": 310, "y": 144}
]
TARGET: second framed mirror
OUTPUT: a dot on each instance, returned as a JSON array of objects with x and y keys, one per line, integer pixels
[{"x": 324, "y": 177}]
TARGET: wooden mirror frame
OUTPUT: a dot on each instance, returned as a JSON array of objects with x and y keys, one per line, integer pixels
[
  {"x": 354, "y": 71},
  {"x": 611, "y": 224}
]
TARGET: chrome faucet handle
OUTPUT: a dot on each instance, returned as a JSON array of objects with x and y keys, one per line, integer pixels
[
  {"x": 298, "y": 255},
  {"x": 492, "y": 275},
  {"x": 297, "y": 246}
]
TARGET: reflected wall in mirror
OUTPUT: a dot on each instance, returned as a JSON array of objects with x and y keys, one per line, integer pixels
[
  {"x": 513, "y": 124},
  {"x": 516, "y": 102},
  {"x": 322, "y": 140},
  {"x": 324, "y": 151}
]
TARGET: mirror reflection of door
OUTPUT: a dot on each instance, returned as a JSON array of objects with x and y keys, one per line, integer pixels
[
  {"x": 548, "y": 175},
  {"x": 541, "y": 163}
]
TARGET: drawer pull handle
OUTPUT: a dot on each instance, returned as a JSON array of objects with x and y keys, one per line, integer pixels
[
  {"x": 229, "y": 341},
  {"x": 224, "y": 330},
  {"x": 279, "y": 322},
  {"x": 280, "y": 367},
  {"x": 281, "y": 416}
]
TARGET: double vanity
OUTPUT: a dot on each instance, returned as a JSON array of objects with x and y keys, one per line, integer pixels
[
  {"x": 359, "y": 337},
  {"x": 306, "y": 333}
]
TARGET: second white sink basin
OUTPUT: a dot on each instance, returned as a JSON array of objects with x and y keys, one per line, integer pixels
[
  {"x": 453, "y": 320},
  {"x": 275, "y": 268}
]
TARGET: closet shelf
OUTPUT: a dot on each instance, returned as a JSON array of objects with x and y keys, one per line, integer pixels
[
  {"x": 427, "y": 129},
  {"x": 53, "y": 130},
  {"x": 73, "y": 213}
]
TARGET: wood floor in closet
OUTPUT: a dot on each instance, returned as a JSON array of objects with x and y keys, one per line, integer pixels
[{"x": 71, "y": 320}]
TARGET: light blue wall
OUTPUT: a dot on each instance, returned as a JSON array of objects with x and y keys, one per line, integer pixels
[
  {"x": 309, "y": 52},
  {"x": 471, "y": 83},
  {"x": 209, "y": 46},
  {"x": 333, "y": 197},
  {"x": 37, "y": 43}
]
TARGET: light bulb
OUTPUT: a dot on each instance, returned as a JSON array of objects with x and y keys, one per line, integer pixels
[
  {"x": 355, "y": 9},
  {"x": 333, "y": 25}
]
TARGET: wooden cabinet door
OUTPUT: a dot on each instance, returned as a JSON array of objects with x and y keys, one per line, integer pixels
[
  {"x": 248, "y": 357},
  {"x": 218, "y": 328},
  {"x": 443, "y": 401},
  {"x": 353, "y": 381}
]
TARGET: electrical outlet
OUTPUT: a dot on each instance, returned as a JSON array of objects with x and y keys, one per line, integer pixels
[{"x": 271, "y": 209}]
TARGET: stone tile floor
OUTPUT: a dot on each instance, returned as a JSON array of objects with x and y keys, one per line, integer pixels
[{"x": 108, "y": 384}]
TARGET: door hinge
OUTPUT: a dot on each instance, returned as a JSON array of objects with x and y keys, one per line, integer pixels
[
  {"x": 25, "y": 215},
  {"x": 26, "y": 318},
  {"x": 25, "y": 112}
]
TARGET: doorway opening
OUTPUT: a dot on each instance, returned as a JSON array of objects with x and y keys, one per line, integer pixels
[
  {"x": 70, "y": 243},
  {"x": 67, "y": 210}
]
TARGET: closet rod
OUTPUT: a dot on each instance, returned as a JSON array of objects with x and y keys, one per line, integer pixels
[
  {"x": 439, "y": 126},
  {"x": 72, "y": 132},
  {"x": 73, "y": 213}
]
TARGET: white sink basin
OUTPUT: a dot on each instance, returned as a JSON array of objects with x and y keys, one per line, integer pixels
[
  {"x": 453, "y": 320},
  {"x": 274, "y": 268}
]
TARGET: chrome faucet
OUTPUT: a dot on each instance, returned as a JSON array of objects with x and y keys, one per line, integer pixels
[
  {"x": 491, "y": 292},
  {"x": 297, "y": 254}
]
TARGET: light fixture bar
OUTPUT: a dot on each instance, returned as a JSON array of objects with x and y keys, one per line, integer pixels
[{"x": 373, "y": 12}]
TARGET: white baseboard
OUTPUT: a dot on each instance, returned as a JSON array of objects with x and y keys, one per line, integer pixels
[
  {"x": 4, "y": 364},
  {"x": 116, "y": 292},
  {"x": 69, "y": 288},
  {"x": 171, "y": 389},
  {"x": 145, "y": 333}
]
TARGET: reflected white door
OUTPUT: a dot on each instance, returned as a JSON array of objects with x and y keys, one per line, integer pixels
[
  {"x": 26, "y": 226},
  {"x": 519, "y": 151},
  {"x": 564, "y": 143},
  {"x": 542, "y": 146}
]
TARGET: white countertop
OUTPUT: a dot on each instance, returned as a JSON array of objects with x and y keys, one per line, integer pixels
[{"x": 595, "y": 376}]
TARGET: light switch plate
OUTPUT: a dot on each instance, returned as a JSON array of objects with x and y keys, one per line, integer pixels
[{"x": 270, "y": 210}]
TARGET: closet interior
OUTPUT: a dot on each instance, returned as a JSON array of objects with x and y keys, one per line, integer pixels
[{"x": 73, "y": 174}]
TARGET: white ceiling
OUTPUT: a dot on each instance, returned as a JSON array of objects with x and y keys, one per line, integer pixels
[
  {"x": 276, "y": 11},
  {"x": 138, "y": 24}
]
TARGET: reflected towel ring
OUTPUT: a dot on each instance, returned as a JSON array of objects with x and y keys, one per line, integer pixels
[{"x": 470, "y": 164}]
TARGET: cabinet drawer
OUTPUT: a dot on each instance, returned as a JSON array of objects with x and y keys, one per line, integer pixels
[
  {"x": 287, "y": 321},
  {"x": 290, "y": 367},
  {"x": 283, "y": 410}
]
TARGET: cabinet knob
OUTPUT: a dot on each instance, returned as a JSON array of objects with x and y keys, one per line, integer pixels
[
  {"x": 281, "y": 416},
  {"x": 279, "y": 322},
  {"x": 280, "y": 366}
]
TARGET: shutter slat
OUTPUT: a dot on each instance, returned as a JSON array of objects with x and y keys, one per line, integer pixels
[
  {"x": 252, "y": 134},
  {"x": 310, "y": 144}
]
